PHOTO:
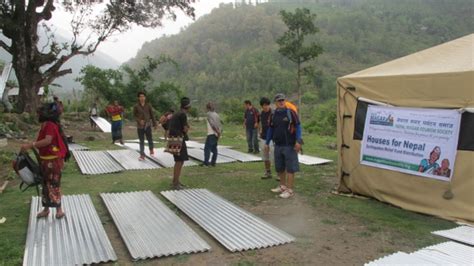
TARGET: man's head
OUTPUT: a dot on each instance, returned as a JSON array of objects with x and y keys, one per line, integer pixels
[
  {"x": 210, "y": 107},
  {"x": 280, "y": 99},
  {"x": 141, "y": 97},
  {"x": 185, "y": 104},
  {"x": 116, "y": 103},
  {"x": 247, "y": 104},
  {"x": 265, "y": 104},
  {"x": 55, "y": 98}
]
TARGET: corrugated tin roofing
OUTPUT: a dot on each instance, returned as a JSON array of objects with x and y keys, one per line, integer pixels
[
  {"x": 77, "y": 147},
  {"x": 447, "y": 253},
  {"x": 198, "y": 154},
  {"x": 198, "y": 145},
  {"x": 102, "y": 123},
  {"x": 239, "y": 156},
  {"x": 311, "y": 160},
  {"x": 464, "y": 234},
  {"x": 162, "y": 158},
  {"x": 96, "y": 162},
  {"x": 149, "y": 228},
  {"x": 78, "y": 238},
  {"x": 232, "y": 226},
  {"x": 129, "y": 160}
]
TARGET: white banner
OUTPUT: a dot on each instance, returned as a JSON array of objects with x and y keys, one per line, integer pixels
[{"x": 411, "y": 140}]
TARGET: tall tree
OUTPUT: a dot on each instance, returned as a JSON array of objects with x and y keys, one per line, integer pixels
[
  {"x": 38, "y": 65},
  {"x": 292, "y": 44}
]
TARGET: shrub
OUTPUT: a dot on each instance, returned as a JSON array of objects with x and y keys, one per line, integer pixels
[{"x": 324, "y": 119}]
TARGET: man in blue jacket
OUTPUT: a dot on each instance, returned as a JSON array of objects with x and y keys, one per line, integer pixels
[{"x": 285, "y": 131}]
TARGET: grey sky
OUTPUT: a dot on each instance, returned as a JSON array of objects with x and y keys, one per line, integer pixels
[{"x": 125, "y": 46}]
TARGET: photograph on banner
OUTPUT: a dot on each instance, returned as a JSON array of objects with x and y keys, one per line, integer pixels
[{"x": 416, "y": 141}]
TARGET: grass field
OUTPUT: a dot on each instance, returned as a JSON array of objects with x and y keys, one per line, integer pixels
[{"x": 241, "y": 184}]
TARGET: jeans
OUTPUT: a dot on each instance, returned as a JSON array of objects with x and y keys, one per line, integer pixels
[
  {"x": 210, "y": 146},
  {"x": 142, "y": 132},
  {"x": 252, "y": 139}
]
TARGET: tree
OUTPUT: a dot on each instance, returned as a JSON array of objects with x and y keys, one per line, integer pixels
[
  {"x": 38, "y": 65},
  {"x": 292, "y": 43}
]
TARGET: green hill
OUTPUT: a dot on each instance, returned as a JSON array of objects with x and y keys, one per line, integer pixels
[{"x": 232, "y": 52}]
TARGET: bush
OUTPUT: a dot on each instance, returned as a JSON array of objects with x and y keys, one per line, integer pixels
[
  {"x": 233, "y": 110},
  {"x": 324, "y": 119}
]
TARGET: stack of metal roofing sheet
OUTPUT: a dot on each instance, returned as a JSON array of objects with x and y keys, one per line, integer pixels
[
  {"x": 162, "y": 158},
  {"x": 233, "y": 227},
  {"x": 198, "y": 145},
  {"x": 447, "y": 253},
  {"x": 149, "y": 228},
  {"x": 129, "y": 160},
  {"x": 77, "y": 147},
  {"x": 311, "y": 160},
  {"x": 78, "y": 238},
  {"x": 464, "y": 234},
  {"x": 96, "y": 162},
  {"x": 102, "y": 123},
  {"x": 198, "y": 154},
  {"x": 239, "y": 156}
]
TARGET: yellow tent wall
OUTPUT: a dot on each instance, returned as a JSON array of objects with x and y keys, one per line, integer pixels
[{"x": 439, "y": 77}]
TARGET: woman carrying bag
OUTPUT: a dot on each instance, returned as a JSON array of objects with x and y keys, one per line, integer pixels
[{"x": 52, "y": 151}]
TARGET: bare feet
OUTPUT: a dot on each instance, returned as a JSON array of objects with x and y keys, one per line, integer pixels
[
  {"x": 43, "y": 213},
  {"x": 59, "y": 213}
]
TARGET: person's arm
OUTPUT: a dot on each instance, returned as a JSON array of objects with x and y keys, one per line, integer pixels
[
  {"x": 269, "y": 136},
  {"x": 256, "y": 115},
  {"x": 38, "y": 144},
  {"x": 152, "y": 115}
]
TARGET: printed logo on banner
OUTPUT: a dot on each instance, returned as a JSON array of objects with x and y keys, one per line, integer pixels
[
  {"x": 381, "y": 118},
  {"x": 411, "y": 140}
]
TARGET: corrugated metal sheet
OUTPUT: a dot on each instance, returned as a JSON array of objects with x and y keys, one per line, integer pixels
[
  {"x": 129, "y": 160},
  {"x": 79, "y": 238},
  {"x": 198, "y": 154},
  {"x": 96, "y": 162},
  {"x": 137, "y": 141},
  {"x": 311, "y": 160},
  {"x": 464, "y": 234},
  {"x": 232, "y": 226},
  {"x": 240, "y": 156},
  {"x": 198, "y": 145},
  {"x": 447, "y": 253},
  {"x": 149, "y": 228},
  {"x": 102, "y": 123},
  {"x": 162, "y": 158},
  {"x": 77, "y": 147}
]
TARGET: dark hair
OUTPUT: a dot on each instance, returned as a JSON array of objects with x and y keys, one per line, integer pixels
[
  {"x": 185, "y": 102},
  {"x": 47, "y": 113},
  {"x": 248, "y": 102},
  {"x": 141, "y": 93},
  {"x": 210, "y": 106},
  {"x": 264, "y": 100}
]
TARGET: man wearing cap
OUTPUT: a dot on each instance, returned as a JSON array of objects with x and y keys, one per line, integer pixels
[
  {"x": 285, "y": 131},
  {"x": 251, "y": 120},
  {"x": 178, "y": 127},
  {"x": 214, "y": 129}
]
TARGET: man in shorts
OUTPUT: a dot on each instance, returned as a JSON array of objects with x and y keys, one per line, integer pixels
[
  {"x": 285, "y": 131},
  {"x": 178, "y": 127}
]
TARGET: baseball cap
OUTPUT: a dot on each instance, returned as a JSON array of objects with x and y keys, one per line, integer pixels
[{"x": 280, "y": 96}]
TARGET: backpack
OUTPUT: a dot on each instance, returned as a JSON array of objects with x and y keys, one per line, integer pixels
[{"x": 28, "y": 170}]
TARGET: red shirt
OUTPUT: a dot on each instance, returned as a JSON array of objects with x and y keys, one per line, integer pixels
[{"x": 56, "y": 149}]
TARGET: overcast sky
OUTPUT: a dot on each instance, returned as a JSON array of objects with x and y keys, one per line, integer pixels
[{"x": 125, "y": 46}]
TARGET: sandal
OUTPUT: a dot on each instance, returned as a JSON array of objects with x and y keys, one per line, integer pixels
[{"x": 42, "y": 214}]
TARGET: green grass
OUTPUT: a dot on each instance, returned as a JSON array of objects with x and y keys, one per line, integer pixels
[{"x": 237, "y": 182}]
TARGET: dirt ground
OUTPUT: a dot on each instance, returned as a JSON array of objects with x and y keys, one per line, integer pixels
[{"x": 324, "y": 236}]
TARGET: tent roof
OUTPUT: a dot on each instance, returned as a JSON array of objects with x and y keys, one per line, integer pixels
[{"x": 450, "y": 57}]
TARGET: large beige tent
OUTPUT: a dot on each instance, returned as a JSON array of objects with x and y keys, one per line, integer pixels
[{"x": 438, "y": 77}]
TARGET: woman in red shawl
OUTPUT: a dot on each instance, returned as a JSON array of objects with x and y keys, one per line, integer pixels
[
  {"x": 115, "y": 111},
  {"x": 52, "y": 151}
]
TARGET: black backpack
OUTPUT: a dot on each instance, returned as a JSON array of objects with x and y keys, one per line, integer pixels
[{"x": 28, "y": 170}]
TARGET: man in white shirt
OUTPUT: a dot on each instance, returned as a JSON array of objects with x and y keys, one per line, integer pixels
[{"x": 214, "y": 130}]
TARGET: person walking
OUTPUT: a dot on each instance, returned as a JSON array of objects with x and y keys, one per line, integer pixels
[
  {"x": 115, "y": 112},
  {"x": 178, "y": 128},
  {"x": 214, "y": 130},
  {"x": 145, "y": 117},
  {"x": 52, "y": 151},
  {"x": 264, "y": 124},
  {"x": 251, "y": 120},
  {"x": 285, "y": 131}
]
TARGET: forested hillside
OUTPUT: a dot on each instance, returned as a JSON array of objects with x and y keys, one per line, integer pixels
[{"x": 231, "y": 53}]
